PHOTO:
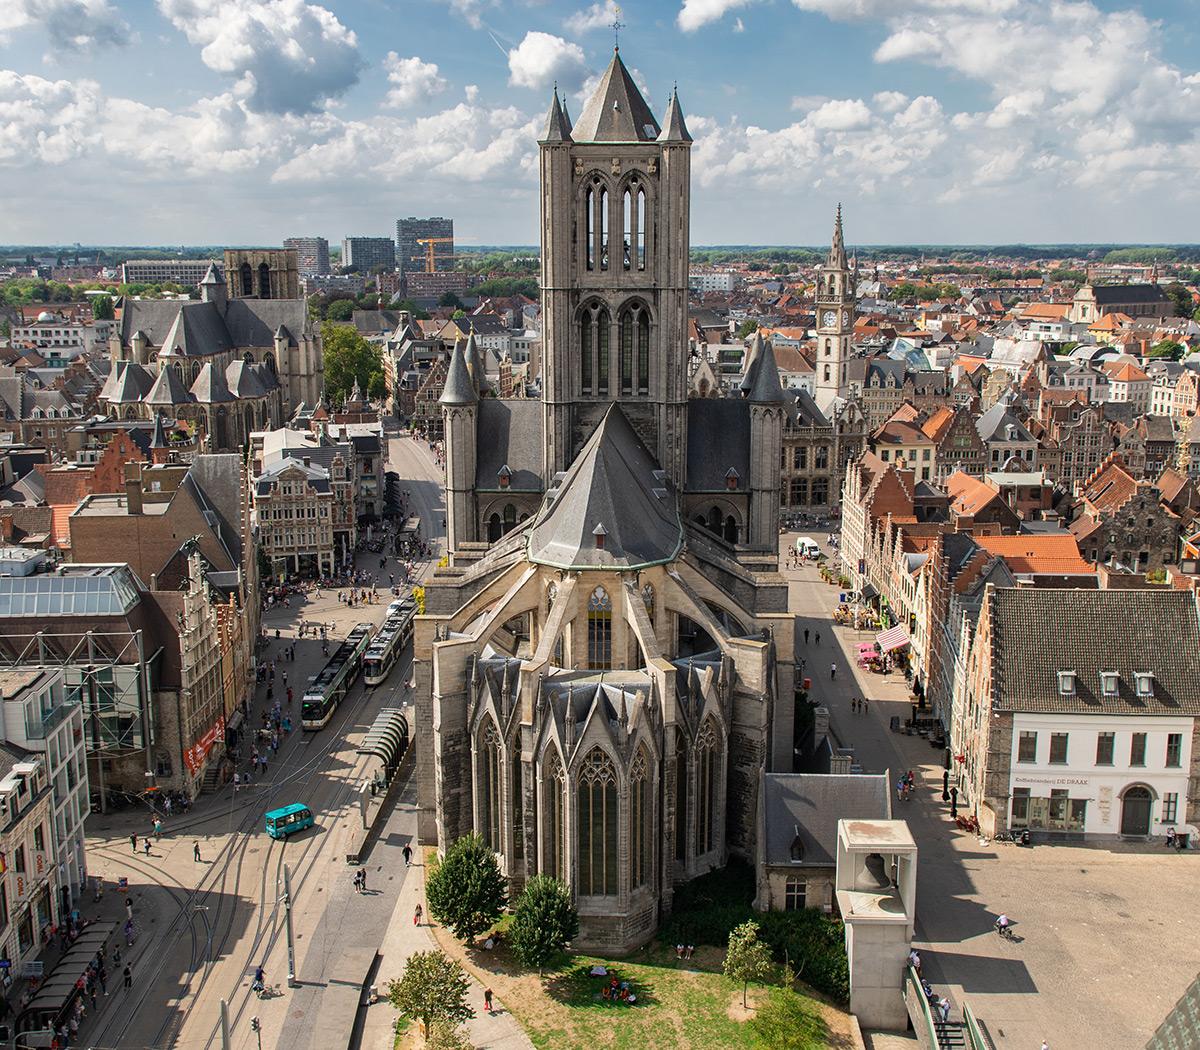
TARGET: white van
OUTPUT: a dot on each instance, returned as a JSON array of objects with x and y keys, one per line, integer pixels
[{"x": 807, "y": 547}]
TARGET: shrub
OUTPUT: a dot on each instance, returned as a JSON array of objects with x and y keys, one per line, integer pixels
[
  {"x": 544, "y": 921},
  {"x": 814, "y": 945},
  {"x": 785, "y": 1022}
]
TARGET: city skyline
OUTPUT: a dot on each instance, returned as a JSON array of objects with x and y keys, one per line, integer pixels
[{"x": 933, "y": 123}]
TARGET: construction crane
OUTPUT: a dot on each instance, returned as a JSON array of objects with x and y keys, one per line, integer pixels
[{"x": 430, "y": 258}]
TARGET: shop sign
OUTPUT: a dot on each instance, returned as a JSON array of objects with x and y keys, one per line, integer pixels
[
  {"x": 40, "y": 863},
  {"x": 1052, "y": 781},
  {"x": 195, "y": 756}
]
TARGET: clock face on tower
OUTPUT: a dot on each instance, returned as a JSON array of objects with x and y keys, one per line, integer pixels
[{"x": 829, "y": 319}]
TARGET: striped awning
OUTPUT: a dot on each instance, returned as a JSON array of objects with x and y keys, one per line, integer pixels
[{"x": 893, "y": 638}]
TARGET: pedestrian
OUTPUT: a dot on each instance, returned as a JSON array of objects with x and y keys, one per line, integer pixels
[
  {"x": 863, "y": 705},
  {"x": 237, "y": 782},
  {"x": 853, "y": 705},
  {"x": 806, "y": 636},
  {"x": 157, "y": 828},
  {"x": 362, "y": 879},
  {"x": 129, "y": 907},
  {"x": 196, "y": 852},
  {"x": 146, "y": 843},
  {"x": 407, "y": 851},
  {"x": 128, "y": 977},
  {"x": 817, "y": 638},
  {"x": 487, "y": 1000},
  {"x": 833, "y": 671},
  {"x": 103, "y": 978},
  {"x": 944, "y": 1008},
  {"x": 357, "y": 887},
  {"x": 417, "y": 916},
  {"x": 289, "y": 694},
  {"x": 133, "y": 842},
  {"x": 92, "y": 994}
]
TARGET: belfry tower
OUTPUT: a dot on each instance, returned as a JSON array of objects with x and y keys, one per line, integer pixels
[
  {"x": 836, "y": 283},
  {"x": 615, "y": 210}
]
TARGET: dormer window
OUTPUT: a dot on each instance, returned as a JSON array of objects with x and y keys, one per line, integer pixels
[
  {"x": 505, "y": 475},
  {"x": 1109, "y": 684},
  {"x": 1144, "y": 681},
  {"x": 731, "y": 479},
  {"x": 1066, "y": 683},
  {"x": 598, "y": 533}
]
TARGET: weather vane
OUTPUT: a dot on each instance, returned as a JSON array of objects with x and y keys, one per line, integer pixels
[{"x": 616, "y": 27}]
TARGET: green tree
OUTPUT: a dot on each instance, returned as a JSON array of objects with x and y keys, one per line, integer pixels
[
  {"x": 450, "y": 299},
  {"x": 747, "y": 327},
  {"x": 349, "y": 357},
  {"x": 544, "y": 921},
  {"x": 747, "y": 958},
  {"x": 432, "y": 989},
  {"x": 445, "y": 1035},
  {"x": 102, "y": 307},
  {"x": 466, "y": 891},
  {"x": 459, "y": 313},
  {"x": 340, "y": 310},
  {"x": 417, "y": 313},
  {"x": 1181, "y": 298},
  {"x": 1167, "y": 348}
]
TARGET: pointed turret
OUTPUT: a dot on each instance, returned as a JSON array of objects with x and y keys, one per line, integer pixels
[
  {"x": 837, "y": 249},
  {"x": 753, "y": 354},
  {"x": 212, "y": 288},
  {"x": 558, "y": 128},
  {"x": 674, "y": 127},
  {"x": 475, "y": 365},
  {"x": 159, "y": 440},
  {"x": 767, "y": 390},
  {"x": 616, "y": 112},
  {"x": 459, "y": 388}
]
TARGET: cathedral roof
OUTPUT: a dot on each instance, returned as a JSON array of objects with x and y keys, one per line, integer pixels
[
  {"x": 243, "y": 380},
  {"x": 509, "y": 435},
  {"x": 128, "y": 382},
  {"x": 718, "y": 437},
  {"x": 160, "y": 435},
  {"x": 213, "y": 276},
  {"x": 210, "y": 387},
  {"x": 616, "y": 112},
  {"x": 614, "y": 508},
  {"x": 168, "y": 389}
]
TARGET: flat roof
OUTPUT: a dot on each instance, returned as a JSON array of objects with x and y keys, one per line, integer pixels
[
  {"x": 877, "y": 834},
  {"x": 110, "y": 505},
  {"x": 14, "y": 682}
]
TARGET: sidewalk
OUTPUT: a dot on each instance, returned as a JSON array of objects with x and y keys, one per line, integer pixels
[{"x": 495, "y": 1031}]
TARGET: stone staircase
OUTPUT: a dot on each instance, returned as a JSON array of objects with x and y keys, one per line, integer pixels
[{"x": 950, "y": 1035}]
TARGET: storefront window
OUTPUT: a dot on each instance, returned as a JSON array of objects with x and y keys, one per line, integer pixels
[
  {"x": 1020, "y": 807},
  {"x": 1058, "y": 808}
]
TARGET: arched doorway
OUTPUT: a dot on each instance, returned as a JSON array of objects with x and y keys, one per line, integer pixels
[
  {"x": 731, "y": 529},
  {"x": 493, "y": 528},
  {"x": 1135, "y": 811}
]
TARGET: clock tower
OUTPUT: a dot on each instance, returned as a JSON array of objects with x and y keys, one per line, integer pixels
[{"x": 836, "y": 283}]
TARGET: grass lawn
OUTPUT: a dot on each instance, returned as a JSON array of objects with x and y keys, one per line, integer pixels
[{"x": 687, "y": 1005}]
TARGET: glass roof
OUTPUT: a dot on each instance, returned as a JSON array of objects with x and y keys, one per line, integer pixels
[{"x": 97, "y": 592}]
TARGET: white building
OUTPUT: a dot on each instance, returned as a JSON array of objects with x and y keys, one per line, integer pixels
[
  {"x": 715, "y": 281},
  {"x": 29, "y": 883},
  {"x": 1078, "y": 712},
  {"x": 39, "y": 715}
]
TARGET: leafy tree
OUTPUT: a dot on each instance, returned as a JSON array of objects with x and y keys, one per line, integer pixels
[
  {"x": 747, "y": 327},
  {"x": 445, "y": 1035},
  {"x": 467, "y": 891},
  {"x": 432, "y": 989},
  {"x": 349, "y": 357},
  {"x": 502, "y": 287},
  {"x": 450, "y": 299},
  {"x": 102, "y": 308},
  {"x": 1167, "y": 348},
  {"x": 340, "y": 310},
  {"x": 460, "y": 313},
  {"x": 747, "y": 958},
  {"x": 417, "y": 313},
  {"x": 544, "y": 921},
  {"x": 1182, "y": 299}
]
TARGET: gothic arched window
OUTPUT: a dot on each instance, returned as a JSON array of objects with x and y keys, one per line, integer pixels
[
  {"x": 490, "y": 808},
  {"x": 593, "y": 351},
  {"x": 603, "y": 229},
  {"x": 247, "y": 275},
  {"x": 597, "y": 825},
  {"x": 589, "y": 204},
  {"x": 518, "y": 808},
  {"x": 510, "y": 517},
  {"x": 264, "y": 281},
  {"x": 634, "y": 328},
  {"x": 554, "y": 787},
  {"x": 493, "y": 532},
  {"x": 599, "y": 630},
  {"x": 640, "y": 842},
  {"x": 731, "y": 529},
  {"x": 681, "y": 794},
  {"x": 641, "y": 228},
  {"x": 626, "y": 325},
  {"x": 627, "y": 229},
  {"x": 707, "y": 770}
]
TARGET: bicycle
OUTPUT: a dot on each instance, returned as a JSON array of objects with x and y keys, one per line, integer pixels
[{"x": 1004, "y": 929}]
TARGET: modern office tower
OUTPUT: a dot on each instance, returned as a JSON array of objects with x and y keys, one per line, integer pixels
[{"x": 411, "y": 230}]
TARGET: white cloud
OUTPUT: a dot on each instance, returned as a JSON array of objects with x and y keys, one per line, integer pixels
[
  {"x": 890, "y": 101},
  {"x": 739, "y": 26},
  {"x": 841, "y": 114},
  {"x": 412, "y": 80},
  {"x": 598, "y": 16},
  {"x": 697, "y": 13},
  {"x": 287, "y": 56},
  {"x": 542, "y": 58},
  {"x": 70, "y": 24},
  {"x": 470, "y": 10}
]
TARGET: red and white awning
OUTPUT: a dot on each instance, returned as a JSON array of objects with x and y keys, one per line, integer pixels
[{"x": 893, "y": 638}]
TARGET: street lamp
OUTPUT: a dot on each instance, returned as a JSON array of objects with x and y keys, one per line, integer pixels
[
  {"x": 286, "y": 901},
  {"x": 203, "y": 910}
]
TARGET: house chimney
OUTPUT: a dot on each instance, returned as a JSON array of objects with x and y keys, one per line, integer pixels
[{"x": 133, "y": 487}]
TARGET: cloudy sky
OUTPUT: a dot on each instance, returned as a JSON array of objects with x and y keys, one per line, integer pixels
[{"x": 241, "y": 121}]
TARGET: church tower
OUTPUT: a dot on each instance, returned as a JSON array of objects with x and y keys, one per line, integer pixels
[
  {"x": 615, "y": 209},
  {"x": 836, "y": 282}
]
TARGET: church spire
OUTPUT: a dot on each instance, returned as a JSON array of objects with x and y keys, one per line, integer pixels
[
  {"x": 837, "y": 250},
  {"x": 674, "y": 129},
  {"x": 558, "y": 127}
]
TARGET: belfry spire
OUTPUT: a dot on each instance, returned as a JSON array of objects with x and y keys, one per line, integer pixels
[{"x": 837, "y": 249}]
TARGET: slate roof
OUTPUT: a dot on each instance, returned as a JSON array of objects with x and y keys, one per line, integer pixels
[
  {"x": 804, "y": 411},
  {"x": 243, "y": 379},
  {"x": 198, "y": 330},
  {"x": 614, "y": 488},
  {"x": 214, "y": 482},
  {"x": 458, "y": 388},
  {"x": 509, "y": 434},
  {"x": 201, "y": 328},
  {"x": 168, "y": 389},
  {"x": 317, "y": 477},
  {"x": 127, "y": 383},
  {"x": 674, "y": 127},
  {"x": 991, "y": 425},
  {"x": 558, "y": 128},
  {"x": 1038, "y": 632},
  {"x": 1110, "y": 294},
  {"x": 803, "y": 810},
  {"x": 718, "y": 437},
  {"x": 210, "y": 387},
  {"x": 616, "y": 112}
]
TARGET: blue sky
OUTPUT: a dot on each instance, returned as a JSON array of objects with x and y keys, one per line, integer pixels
[{"x": 161, "y": 121}]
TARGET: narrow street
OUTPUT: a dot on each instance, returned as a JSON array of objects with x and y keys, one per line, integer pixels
[{"x": 1071, "y": 968}]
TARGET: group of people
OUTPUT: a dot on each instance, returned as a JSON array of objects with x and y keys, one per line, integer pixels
[
  {"x": 360, "y": 881},
  {"x": 858, "y": 706},
  {"x": 938, "y": 1003},
  {"x": 905, "y": 787},
  {"x": 684, "y": 951},
  {"x": 617, "y": 992}
]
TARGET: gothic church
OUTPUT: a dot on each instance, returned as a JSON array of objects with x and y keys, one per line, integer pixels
[{"x": 605, "y": 667}]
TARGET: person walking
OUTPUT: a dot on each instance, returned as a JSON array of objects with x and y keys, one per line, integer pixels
[
  {"x": 817, "y": 638},
  {"x": 146, "y": 843},
  {"x": 157, "y": 828},
  {"x": 362, "y": 879},
  {"x": 806, "y": 636},
  {"x": 487, "y": 1000},
  {"x": 129, "y": 907},
  {"x": 357, "y": 887},
  {"x": 833, "y": 671},
  {"x": 196, "y": 852},
  {"x": 407, "y": 851},
  {"x": 133, "y": 842},
  {"x": 128, "y": 978},
  {"x": 417, "y": 916},
  {"x": 102, "y": 977}
]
